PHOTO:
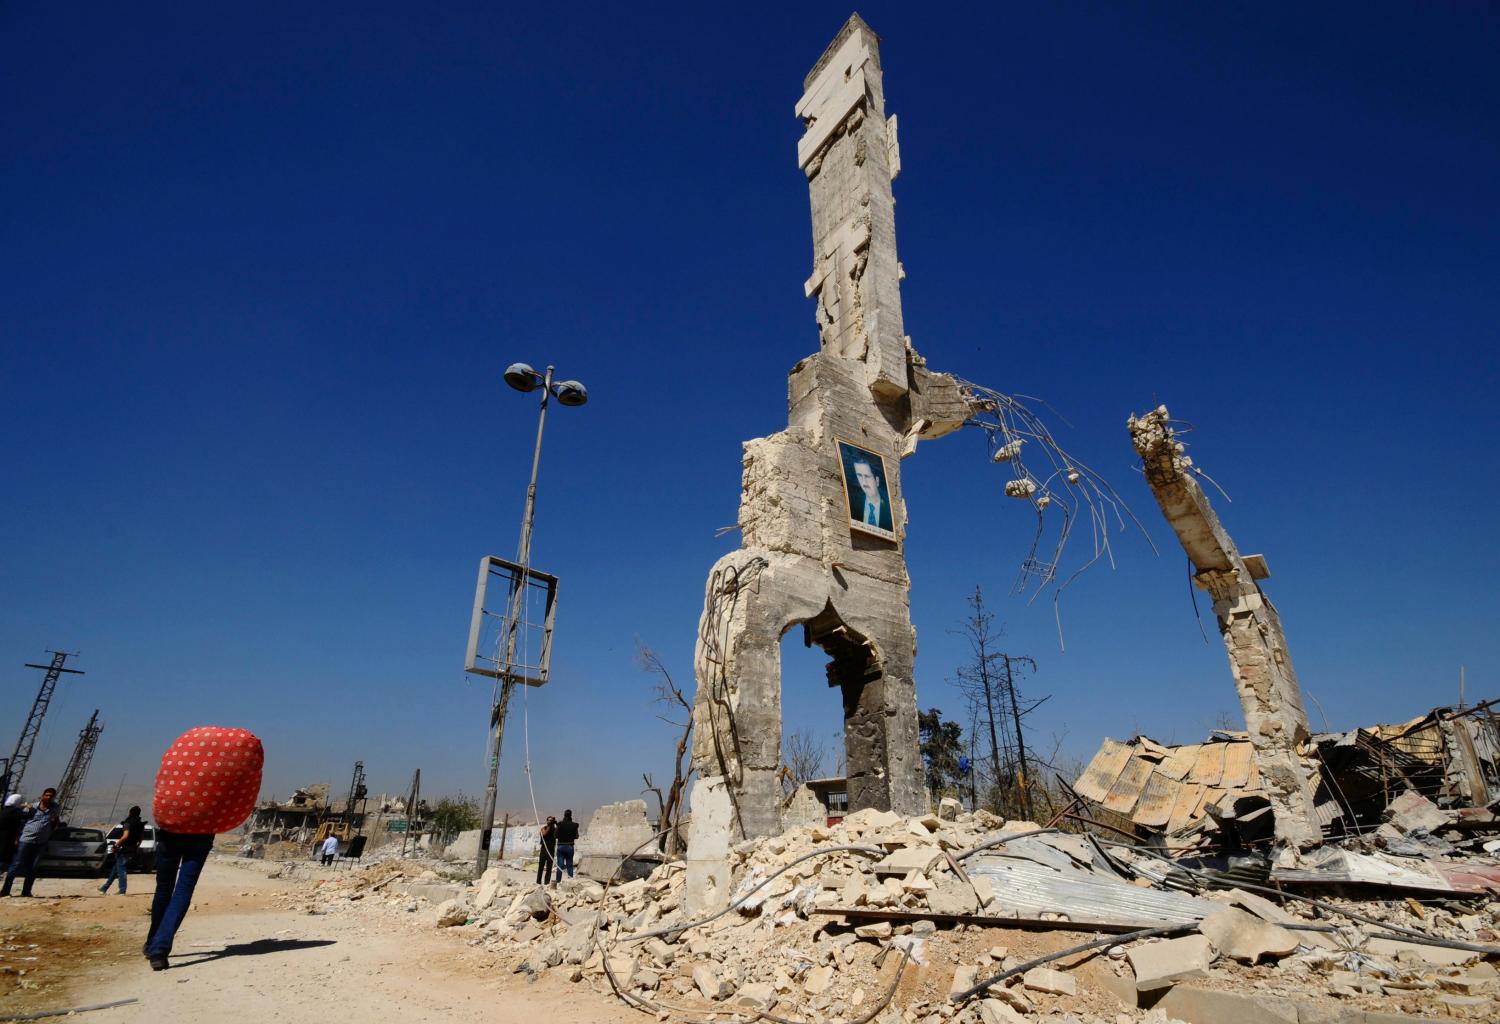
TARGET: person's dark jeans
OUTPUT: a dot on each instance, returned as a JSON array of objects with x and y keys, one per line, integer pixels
[
  {"x": 23, "y": 864},
  {"x": 544, "y": 865},
  {"x": 179, "y": 862},
  {"x": 117, "y": 870},
  {"x": 564, "y": 861}
]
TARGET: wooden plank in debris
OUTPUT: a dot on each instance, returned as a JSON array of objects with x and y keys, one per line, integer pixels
[
  {"x": 1126, "y": 791},
  {"x": 1212, "y": 796},
  {"x": 1099, "y": 777},
  {"x": 1238, "y": 759},
  {"x": 1154, "y": 808},
  {"x": 1208, "y": 768},
  {"x": 1180, "y": 763},
  {"x": 1032, "y": 924},
  {"x": 1189, "y": 799}
]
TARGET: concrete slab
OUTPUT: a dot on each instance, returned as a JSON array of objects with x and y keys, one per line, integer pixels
[{"x": 1158, "y": 965}]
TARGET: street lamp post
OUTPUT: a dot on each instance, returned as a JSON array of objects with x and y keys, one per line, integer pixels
[{"x": 568, "y": 392}]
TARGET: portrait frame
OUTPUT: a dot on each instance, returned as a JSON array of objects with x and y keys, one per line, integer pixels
[{"x": 849, "y": 455}]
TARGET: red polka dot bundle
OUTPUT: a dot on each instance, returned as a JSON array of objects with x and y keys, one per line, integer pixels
[{"x": 208, "y": 782}]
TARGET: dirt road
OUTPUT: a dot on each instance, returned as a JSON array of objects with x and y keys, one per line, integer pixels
[{"x": 241, "y": 956}]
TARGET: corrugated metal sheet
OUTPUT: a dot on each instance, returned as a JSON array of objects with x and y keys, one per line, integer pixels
[
  {"x": 1155, "y": 805},
  {"x": 1430, "y": 875},
  {"x": 1180, "y": 763},
  {"x": 1238, "y": 758},
  {"x": 1164, "y": 787},
  {"x": 1126, "y": 791},
  {"x": 1029, "y": 889},
  {"x": 1208, "y": 769},
  {"x": 1099, "y": 777},
  {"x": 1425, "y": 743},
  {"x": 1187, "y": 809}
]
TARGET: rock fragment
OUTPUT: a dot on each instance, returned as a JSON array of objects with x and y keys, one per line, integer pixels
[
  {"x": 1161, "y": 964},
  {"x": 1245, "y": 938},
  {"x": 1044, "y": 979}
]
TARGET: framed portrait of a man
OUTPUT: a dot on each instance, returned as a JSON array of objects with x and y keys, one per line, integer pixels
[{"x": 868, "y": 490}]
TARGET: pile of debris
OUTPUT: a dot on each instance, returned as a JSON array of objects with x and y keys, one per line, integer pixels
[
  {"x": 961, "y": 918},
  {"x": 1438, "y": 771}
]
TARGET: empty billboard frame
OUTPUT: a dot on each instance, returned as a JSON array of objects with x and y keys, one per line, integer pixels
[{"x": 490, "y": 652}]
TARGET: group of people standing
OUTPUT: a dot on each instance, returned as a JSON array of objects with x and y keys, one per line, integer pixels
[
  {"x": 557, "y": 842},
  {"x": 24, "y": 831}
]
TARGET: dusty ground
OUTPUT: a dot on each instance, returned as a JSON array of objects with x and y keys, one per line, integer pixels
[{"x": 241, "y": 955}]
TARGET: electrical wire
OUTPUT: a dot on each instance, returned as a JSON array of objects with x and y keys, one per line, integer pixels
[{"x": 1108, "y": 940}]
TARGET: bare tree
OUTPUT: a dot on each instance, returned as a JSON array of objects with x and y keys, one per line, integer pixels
[
  {"x": 652, "y": 787},
  {"x": 803, "y": 756},
  {"x": 989, "y": 682},
  {"x": 679, "y": 714}
]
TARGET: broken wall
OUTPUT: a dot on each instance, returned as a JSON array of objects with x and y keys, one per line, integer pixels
[
  {"x": 1253, "y": 637},
  {"x": 801, "y": 561}
]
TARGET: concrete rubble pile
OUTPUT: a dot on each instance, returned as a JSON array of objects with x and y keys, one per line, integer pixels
[{"x": 888, "y": 918}]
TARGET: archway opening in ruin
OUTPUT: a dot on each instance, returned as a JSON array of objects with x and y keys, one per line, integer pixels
[{"x": 827, "y": 655}]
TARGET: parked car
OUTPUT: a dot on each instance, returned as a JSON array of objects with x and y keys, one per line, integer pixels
[
  {"x": 144, "y": 856},
  {"x": 74, "y": 851}
]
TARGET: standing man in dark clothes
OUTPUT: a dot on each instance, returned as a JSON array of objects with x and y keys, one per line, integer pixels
[
  {"x": 12, "y": 817},
  {"x": 34, "y": 835},
  {"x": 134, "y": 830},
  {"x": 567, "y": 836},
  {"x": 548, "y": 851}
]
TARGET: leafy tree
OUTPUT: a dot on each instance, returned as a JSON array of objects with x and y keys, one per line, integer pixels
[
  {"x": 454, "y": 814},
  {"x": 942, "y": 745}
]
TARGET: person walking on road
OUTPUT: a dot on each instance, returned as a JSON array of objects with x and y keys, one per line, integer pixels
[
  {"x": 567, "y": 836},
  {"x": 34, "y": 835},
  {"x": 125, "y": 847},
  {"x": 330, "y": 849},
  {"x": 179, "y": 861},
  {"x": 207, "y": 784},
  {"x": 548, "y": 851}
]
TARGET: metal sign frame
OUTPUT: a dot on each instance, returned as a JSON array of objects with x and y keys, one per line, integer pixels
[{"x": 513, "y": 575}]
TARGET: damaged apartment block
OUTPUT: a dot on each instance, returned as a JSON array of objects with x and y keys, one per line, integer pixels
[{"x": 857, "y": 407}]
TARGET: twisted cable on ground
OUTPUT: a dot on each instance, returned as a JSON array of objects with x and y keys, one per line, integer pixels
[{"x": 1108, "y": 940}]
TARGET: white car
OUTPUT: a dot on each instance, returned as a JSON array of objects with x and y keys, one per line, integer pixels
[{"x": 144, "y": 856}]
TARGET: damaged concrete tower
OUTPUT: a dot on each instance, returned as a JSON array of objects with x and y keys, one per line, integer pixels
[
  {"x": 821, "y": 511},
  {"x": 1258, "y": 655}
]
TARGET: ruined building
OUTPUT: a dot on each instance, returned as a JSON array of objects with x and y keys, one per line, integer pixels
[
  {"x": 1258, "y": 656},
  {"x": 821, "y": 513}
]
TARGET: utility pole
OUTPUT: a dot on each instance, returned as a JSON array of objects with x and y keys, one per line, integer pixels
[
  {"x": 569, "y": 392},
  {"x": 78, "y": 767},
  {"x": 16, "y": 769},
  {"x": 118, "y": 790},
  {"x": 411, "y": 807}
]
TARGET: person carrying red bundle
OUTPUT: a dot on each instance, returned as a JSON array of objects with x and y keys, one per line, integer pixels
[{"x": 207, "y": 784}]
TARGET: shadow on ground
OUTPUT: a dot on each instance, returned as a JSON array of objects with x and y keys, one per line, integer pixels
[{"x": 257, "y": 948}]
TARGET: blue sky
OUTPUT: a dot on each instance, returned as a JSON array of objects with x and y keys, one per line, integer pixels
[{"x": 262, "y": 267}]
